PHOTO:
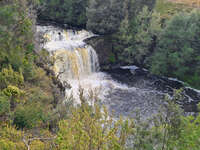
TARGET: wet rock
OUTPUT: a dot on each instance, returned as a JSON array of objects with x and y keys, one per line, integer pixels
[{"x": 67, "y": 85}]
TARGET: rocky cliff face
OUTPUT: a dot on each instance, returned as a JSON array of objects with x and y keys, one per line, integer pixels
[
  {"x": 104, "y": 49},
  {"x": 109, "y": 57}
]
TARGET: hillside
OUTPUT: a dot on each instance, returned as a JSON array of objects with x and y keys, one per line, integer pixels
[
  {"x": 169, "y": 7},
  {"x": 190, "y": 3}
]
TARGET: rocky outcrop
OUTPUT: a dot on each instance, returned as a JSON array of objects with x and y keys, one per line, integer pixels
[{"x": 104, "y": 50}]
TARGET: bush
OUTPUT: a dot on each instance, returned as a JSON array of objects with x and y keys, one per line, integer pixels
[
  {"x": 29, "y": 116},
  {"x": 9, "y": 77},
  {"x": 13, "y": 91},
  {"x": 29, "y": 72},
  {"x": 37, "y": 94},
  {"x": 90, "y": 128},
  {"x": 11, "y": 139},
  {"x": 4, "y": 105}
]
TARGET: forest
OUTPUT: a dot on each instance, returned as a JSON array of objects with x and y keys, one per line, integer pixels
[{"x": 159, "y": 35}]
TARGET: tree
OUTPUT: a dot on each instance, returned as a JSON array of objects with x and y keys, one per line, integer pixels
[
  {"x": 145, "y": 28},
  {"x": 137, "y": 38},
  {"x": 104, "y": 16},
  {"x": 71, "y": 12},
  {"x": 177, "y": 53}
]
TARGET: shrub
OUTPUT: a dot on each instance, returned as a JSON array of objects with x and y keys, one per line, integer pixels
[
  {"x": 28, "y": 70},
  {"x": 13, "y": 91},
  {"x": 29, "y": 116},
  {"x": 90, "y": 128},
  {"x": 11, "y": 139},
  {"x": 9, "y": 77},
  {"x": 4, "y": 105},
  {"x": 14, "y": 94}
]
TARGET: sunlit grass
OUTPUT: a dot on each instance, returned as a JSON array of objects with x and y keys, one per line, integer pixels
[
  {"x": 169, "y": 7},
  {"x": 191, "y": 3}
]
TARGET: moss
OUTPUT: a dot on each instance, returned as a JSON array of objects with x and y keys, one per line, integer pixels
[{"x": 112, "y": 58}]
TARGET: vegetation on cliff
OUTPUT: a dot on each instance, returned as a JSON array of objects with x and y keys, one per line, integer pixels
[{"x": 26, "y": 92}]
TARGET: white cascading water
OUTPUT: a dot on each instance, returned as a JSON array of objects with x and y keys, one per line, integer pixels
[
  {"x": 73, "y": 58},
  {"x": 76, "y": 63}
]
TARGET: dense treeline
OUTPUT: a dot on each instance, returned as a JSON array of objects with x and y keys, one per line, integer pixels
[
  {"x": 31, "y": 114},
  {"x": 169, "y": 48},
  {"x": 71, "y": 12},
  {"x": 100, "y": 16}
]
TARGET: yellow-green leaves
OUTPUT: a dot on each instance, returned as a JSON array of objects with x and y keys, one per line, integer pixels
[
  {"x": 9, "y": 77},
  {"x": 13, "y": 91},
  {"x": 90, "y": 128}
]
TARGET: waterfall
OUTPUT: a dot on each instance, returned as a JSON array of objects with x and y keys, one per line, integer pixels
[
  {"x": 73, "y": 58},
  {"x": 76, "y": 63}
]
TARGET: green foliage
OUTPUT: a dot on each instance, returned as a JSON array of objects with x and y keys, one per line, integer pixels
[
  {"x": 91, "y": 128},
  {"x": 4, "y": 105},
  {"x": 14, "y": 94},
  {"x": 112, "y": 58},
  {"x": 190, "y": 134},
  {"x": 145, "y": 28},
  {"x": 11, "y": 139},
  {"x": 72, "y": 12},
  {"x": 177, "y": 53},
  {"x": 16, "y": 49},
  {"x": 29, "y": 116},
  {"x": 136, "y": 6},
  {"x": 9, "y": 77},
  {"x": 137, "y": 38},
  {"x": 14, "y": 23},
  {"x": 179, "y": 132},
  {"x": 167, "y": 8},
  {"x": 13, "y": 91},
  {"x": 104, "y": 16},
  {"x": 28, "y": 70}
]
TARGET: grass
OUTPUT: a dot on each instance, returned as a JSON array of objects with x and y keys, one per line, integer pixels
[
  {"x": 190, "y": 3},
  {"x": 168, "y": 8}
]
